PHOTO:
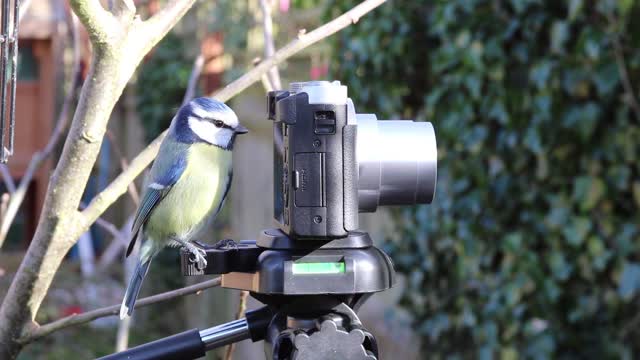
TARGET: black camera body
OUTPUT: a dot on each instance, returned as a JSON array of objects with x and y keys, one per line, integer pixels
[{"x": 315, "y": 168}]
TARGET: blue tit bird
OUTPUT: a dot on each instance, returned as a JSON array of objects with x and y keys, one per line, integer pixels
[{"x": 187, "y": 186}]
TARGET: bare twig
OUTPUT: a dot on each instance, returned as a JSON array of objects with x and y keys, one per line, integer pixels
[
  {"x": 110, "y": 228},
  {"x": 77, "y": 319},
  {"x": 124, "y": 164},
  {"x": 109, "y": 195},
  {"x": 242, "y": 308},
  {"x": 269, "y": 44},
  {"x": 7, "y": 179},
  {"x": 17, "y": 196},
  {"x": 117, "y": 245},
  {"x": 196, "y": 70},
  {"x": 156, "y": 27},
  {"x": 304, "y": 39},
  {"x": 118, "y": 186},
  {"x": 107, "y": 226},
  {"x": 266, "y": 81},
  {"x": 4, "y": 201}
]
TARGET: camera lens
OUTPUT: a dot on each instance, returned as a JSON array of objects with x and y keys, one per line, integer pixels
[{"x": 397, "y": 162}]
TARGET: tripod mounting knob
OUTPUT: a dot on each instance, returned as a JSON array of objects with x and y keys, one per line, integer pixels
[{"x": 323, "y": 344}]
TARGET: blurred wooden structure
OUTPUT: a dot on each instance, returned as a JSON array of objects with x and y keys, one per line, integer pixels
[{"x": 38, "y": 59}]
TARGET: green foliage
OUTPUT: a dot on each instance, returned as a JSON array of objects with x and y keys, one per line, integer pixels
[
  {"x": 162, "y": 81},
  {"x": 531, "y": 247}
]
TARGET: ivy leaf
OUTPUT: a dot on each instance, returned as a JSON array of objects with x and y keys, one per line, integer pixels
[
  {"x": 587, "y": 191},
  {"x": 625, "y": 6},
  {"x": 629, "y": 280},
  {"x": 560, "y": 267},
  {"x": 540, "y": 74},
  {"x": 606, "y": 78},
  {"x": 575, "y": 7},
  {"x": 576, "y": 231},
  {"x": 583, "y": 118},
  {"x": 559, "y": 36}
]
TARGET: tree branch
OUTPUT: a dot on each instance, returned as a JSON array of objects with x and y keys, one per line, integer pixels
[
  {"x": 269, "y": 44},
  {"x": 119, "y": 186},
  {"x": 196, "y": 70},
  {"x": 7, "y": 179},
  {"x": 109, "y": 195},
  {"x": 266, "y": 81},
  {"x": 77, "y": 319},
  {"x": 100, "y": 24},
  {"x": 350, "y": 17},
  {"x": 156, "y": 27},
  {"x": 124, "y": 164},
  {"x": 110, "y": 228}
]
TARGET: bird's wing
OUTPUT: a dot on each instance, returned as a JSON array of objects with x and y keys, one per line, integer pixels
[{"x": 163, "y": 177}]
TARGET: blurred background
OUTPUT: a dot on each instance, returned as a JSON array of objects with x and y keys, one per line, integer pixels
[{"x": 531, "y": 248}]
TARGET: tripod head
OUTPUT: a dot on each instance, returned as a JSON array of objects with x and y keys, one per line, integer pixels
[{"x": 315, "y": 270}]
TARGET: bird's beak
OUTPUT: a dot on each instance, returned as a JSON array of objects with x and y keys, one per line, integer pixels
[{"x": 241, "y": 129}]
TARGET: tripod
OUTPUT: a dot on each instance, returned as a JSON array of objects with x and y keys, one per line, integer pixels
[{"x": 311, "y": 291}]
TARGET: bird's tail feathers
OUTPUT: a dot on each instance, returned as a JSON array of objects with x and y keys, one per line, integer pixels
[{"x": 133, "y": 289}]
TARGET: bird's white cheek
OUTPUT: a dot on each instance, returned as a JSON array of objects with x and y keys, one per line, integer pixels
[{"x": 205, "y": 130}]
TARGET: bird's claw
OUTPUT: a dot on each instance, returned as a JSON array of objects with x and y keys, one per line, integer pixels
[
  {"x": 225, "y": 243},
  {"x": 199, "y": 257}
]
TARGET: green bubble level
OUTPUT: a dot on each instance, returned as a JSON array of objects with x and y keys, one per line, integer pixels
[{"x": 318, "y": 268}]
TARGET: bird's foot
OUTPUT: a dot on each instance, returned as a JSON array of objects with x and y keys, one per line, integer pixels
[
  {"x": 226, "y": 244},
  {"x": 199, "y": 256}
]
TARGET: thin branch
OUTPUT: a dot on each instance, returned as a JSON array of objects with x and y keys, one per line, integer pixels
[
  {"x": 266, "y": 81},
  {"x": 119, "y": 186},
  {"x": 17, "y": 196},
  {"x": 100, "y": 23},
  {"x": 156, "y": 27},
  {"x": 304, "y": 40},
  {"x": 4, "y": 201},
  {"x": 269, "y": 44},
  {"x": 109, "y": 195},
  {"x": 196, "y": 70},
  {"x": 122, "y": 9},
  {"x": 107, "y": 226},
  {"x": 242, "y": 308},
  {"x": 7, "y": 179},
  {"x": 110, "y": 228},
  {"x": 124, "y": 164},
  {"x": 77, "y": 319},
  {"x": 117, "y": 245}
]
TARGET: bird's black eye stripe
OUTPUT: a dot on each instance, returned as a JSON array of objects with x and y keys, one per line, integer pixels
[{"x": 221, "y": 124}]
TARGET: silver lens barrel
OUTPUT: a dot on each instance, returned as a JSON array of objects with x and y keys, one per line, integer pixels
[{"x": 397, "y": 162}]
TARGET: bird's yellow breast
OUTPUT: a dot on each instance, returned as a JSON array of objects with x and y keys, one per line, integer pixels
[{"x": 196, "y": 196}]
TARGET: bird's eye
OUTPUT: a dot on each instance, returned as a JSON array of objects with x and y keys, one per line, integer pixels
[{"x": 218, "y": 123}]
